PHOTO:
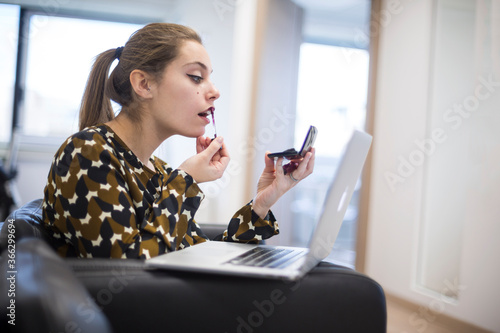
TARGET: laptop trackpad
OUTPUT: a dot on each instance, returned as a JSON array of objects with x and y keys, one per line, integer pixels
[{"x": 215, "y": 249}]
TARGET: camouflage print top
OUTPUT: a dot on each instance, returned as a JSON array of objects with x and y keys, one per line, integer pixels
[{"x": 101, "y": 201}]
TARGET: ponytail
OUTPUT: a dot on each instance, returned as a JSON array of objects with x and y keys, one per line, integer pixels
[
  {"x": 96, "y": 107},
  {"x": 149, "y": 49}
]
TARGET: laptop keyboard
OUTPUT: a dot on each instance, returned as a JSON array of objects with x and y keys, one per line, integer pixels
[{"x": 265, "y": 257}]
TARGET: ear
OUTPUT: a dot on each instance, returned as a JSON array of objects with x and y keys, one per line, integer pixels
[{"x": 141, "y": 83}]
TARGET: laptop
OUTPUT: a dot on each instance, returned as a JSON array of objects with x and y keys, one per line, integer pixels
[{"x": 279, "y": 262}]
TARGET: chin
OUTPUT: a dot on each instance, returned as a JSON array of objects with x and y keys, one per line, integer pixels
[{"x": 194, "y": 134}]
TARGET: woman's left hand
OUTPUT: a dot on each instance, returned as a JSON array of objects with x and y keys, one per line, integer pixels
[
  {"x": 210, "y": 162},
  {"x": 273, "y": 182}
]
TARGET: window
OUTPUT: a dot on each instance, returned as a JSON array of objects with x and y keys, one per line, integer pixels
[
  {"x": 61, "y": 52},
  {"x": 332, "y": 93},
  {"x": 9, "y": 25}
]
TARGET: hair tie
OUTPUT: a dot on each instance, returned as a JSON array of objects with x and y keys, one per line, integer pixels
[{"x": 118, "y": 52}]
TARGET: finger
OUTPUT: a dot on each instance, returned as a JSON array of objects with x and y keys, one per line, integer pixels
[
  {"x": 220, "y": 160},
  {"x": 310, "y": 161},
  {"x": 222, "y": 156},
  {"x": 279, "y": 166},
  {"x": 224, "y": 160},
  {"x": 310, "y": 164},
  {"x": 208, "y": 141},
  {"x": 200, "y": 144},
  {"x": 223, "y": 151},
  {"x": 214, "y": 147},
  {"x": 301, "y": 169},
  {"x": 306, "y": 166},
  {"x": 269, "y": 162}
]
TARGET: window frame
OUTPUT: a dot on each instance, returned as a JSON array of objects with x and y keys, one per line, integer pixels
[{"x": 31, "y": 142}]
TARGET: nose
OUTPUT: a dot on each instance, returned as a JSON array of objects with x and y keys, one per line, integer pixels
[{"x": 213, "y": 93}]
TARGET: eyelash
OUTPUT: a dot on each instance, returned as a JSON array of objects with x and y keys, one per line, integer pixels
[{"x": 195, "y": 78}]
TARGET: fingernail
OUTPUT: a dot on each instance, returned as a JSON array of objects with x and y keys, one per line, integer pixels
[{"x": 219, "y": 139}]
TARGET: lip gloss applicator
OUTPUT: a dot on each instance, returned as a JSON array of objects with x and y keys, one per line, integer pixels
[
  {"x": 212, "y": 112},
  {"x": 213, "y": 122}
]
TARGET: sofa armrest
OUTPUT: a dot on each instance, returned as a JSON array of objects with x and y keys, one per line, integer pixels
[
  {"x": 43, "y": 294},
  {"x": 27, "y": 222}
]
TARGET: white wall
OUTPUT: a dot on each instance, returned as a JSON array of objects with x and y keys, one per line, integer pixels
[{"x": 449, "y": 193}]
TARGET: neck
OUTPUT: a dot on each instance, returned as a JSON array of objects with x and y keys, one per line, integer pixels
[{"x": 132, "y": 133}]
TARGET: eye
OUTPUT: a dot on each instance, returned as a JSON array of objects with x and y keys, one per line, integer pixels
[{"x": 195, "y": 78}]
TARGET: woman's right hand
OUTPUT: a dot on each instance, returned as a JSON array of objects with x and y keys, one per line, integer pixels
[{"x": 210, "y": 162}]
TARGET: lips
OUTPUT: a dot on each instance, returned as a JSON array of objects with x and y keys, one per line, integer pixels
[
  {"x": 205, "y": 114},
  {"x": 208, "y": 112}
]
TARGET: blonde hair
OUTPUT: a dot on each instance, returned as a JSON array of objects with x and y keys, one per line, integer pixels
[{"x": 149, "y": 49}]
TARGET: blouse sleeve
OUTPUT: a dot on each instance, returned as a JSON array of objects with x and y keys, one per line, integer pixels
[{"x": 247, "y": 227}]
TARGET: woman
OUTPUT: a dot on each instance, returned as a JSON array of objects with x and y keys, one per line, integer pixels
[{"x": 107, "y": 196}]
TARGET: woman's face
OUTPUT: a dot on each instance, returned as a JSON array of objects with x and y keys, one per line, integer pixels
[{"x": 182, "y": 100}]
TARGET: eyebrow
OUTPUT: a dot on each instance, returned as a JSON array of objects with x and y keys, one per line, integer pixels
[{"x": 199, "y": 63}]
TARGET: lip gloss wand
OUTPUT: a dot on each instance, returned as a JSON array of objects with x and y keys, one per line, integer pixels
[{"x": 213, "y": 122}]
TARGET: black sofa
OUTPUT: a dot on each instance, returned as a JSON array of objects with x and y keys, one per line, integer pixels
[{"x": 43, "y": 292}]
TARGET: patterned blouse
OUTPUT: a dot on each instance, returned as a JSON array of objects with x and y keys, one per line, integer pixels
[{"x": 101, "y": 201}]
